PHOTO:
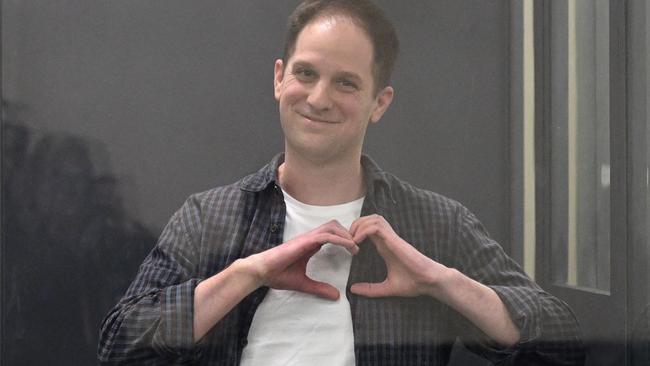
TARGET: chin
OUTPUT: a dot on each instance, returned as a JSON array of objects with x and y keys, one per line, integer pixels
[{"x": 308, "y": 148}]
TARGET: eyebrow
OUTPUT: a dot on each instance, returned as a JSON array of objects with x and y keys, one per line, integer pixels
[
  {"x": 301, "y": 64},
  {"x": 349, "y": 75}
]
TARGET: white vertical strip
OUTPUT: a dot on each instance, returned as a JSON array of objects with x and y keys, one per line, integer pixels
[
  {"x": 529, "y": 137},
  {"x": 572, "y": 109}
]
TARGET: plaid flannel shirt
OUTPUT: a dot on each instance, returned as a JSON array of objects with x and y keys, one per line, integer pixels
[{"x": 153, "y": 323}]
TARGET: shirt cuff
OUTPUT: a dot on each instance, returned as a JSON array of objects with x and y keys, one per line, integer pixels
[
  {"x": 524, "y": 309},
  {"x": 524, "y": 313},
  {"x": 174, "y": 337}
]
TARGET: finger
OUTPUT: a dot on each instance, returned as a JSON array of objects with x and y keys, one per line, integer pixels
[
  {"x": 320, "y": 289},
  {"x": 365, "y": 230},
  {"x": 349, "y": 244},
  {"x": 307, "y": 246},
  {"x": 289, "y": 253},
  {"x": 359, "y": 222},
  {"x": 335, "y": 227},
  {"x": 371, "y": 289},
  {"x": 370, "y": 220}
]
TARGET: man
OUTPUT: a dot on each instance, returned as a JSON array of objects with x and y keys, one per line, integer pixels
[{"x": 322, "y": 258}]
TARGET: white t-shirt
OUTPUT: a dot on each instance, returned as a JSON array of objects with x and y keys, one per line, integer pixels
[{"x": 293, "y": 328}]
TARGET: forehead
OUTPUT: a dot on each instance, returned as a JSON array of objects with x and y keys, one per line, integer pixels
[{"x": 337, "y": 42}]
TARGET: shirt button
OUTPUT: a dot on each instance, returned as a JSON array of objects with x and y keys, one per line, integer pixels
[{"x": 274, "y": 228}]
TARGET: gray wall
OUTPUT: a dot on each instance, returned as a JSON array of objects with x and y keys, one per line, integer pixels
[
  {"x": 175, "y": 97},
  {"x": 447, "y": 129},
  {"x": 180, "y": 95}
]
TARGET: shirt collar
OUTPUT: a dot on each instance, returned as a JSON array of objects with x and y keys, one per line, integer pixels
[
  {"x": 264, "y": 177},
  {"x": 375, "y": 177}
]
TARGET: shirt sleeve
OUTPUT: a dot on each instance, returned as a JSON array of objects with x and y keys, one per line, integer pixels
[
  {"x": 549, "y": 330},
  {"x": 153, "y": 322}
]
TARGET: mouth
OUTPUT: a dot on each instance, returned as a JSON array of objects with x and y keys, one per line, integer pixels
[{"x": 315, "y": 119}]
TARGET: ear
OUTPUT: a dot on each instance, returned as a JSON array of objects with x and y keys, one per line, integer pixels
[
  {"x": 278, "y": 76},
  {"x": 382, "y": 101}
]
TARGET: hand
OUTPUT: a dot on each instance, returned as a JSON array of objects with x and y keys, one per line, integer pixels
[
  {"x": 283, "y": 267},
  {"x": 410, "y": 273}
]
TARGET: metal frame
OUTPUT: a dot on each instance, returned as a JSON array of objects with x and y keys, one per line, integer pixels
[
  {"x": 3, "y": 284},
  {"x": 516, "y": 131},
  {"x": 638, "y": 41},
  {"x": 608, "y": 335}
]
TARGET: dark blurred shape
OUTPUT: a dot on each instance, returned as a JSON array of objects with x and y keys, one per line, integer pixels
[
  {"x": 70, "y": 252},
  {"x": 15, "y": 140},
  {"x": 640, "y": 342}
]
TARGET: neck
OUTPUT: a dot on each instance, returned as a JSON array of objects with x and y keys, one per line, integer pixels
[{"x": 322, "y": 183}]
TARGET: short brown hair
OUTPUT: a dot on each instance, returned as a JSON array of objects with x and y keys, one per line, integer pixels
[{"x": 366, "y": 15}]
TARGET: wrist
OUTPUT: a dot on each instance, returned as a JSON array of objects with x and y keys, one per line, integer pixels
[
  {"x": 441, "y": 286},
  {"x": 215, "y": 296},
  {"x": 246, "y": 274}
]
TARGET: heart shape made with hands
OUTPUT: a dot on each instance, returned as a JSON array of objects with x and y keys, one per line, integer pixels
[{"x": 409, "y": 272}]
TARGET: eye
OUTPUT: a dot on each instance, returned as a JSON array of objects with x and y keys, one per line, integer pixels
[
  {"x": 304, "y": 74},
  {"x": 348, "y": 85}
]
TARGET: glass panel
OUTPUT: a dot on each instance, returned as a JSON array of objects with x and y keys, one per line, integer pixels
[
  {"x": 529, "y": 139},
  {"x": 647, "y": 129},
  {"x": 580, "y": 143},
  {"x": 647, "y": 134},
  {"x": 522, "y": 113}
]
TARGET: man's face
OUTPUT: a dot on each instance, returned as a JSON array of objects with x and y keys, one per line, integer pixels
[{"x": 326, "y": 91}]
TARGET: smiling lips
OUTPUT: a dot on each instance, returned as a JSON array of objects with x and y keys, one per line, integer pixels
[{"x": 314, "y": 119}]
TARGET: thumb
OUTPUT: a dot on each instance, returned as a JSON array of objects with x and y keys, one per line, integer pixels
[{"x": 371, "y": 289}]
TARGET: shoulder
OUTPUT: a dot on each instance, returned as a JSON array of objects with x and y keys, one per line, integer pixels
[
  {"x": 220, "y": 199},
  {"x": 406, "y": 195},
  {"x": 226, "y": 207},
  {"x": 215, "y": 205},
  {"x": 396, "y": 192},
  {"x": 427, "y": 220},
  {"x": 218, "y": 196},
  {"x": 241, "y": 191}
]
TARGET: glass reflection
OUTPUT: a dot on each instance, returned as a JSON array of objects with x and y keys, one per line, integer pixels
[
  {"x": 70, "y": 247},
  {"x": 581, "y": 144}
]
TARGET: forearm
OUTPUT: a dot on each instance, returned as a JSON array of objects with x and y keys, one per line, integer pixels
[
  {"x": 477, "y": 303},
  {"x": 218, "y": 295}
]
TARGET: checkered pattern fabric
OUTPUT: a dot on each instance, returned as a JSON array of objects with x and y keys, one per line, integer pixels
[{"x": 152, "y": 324}]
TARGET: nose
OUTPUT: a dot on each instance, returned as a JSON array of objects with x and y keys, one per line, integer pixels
[{"x": 319, "y": 97}]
